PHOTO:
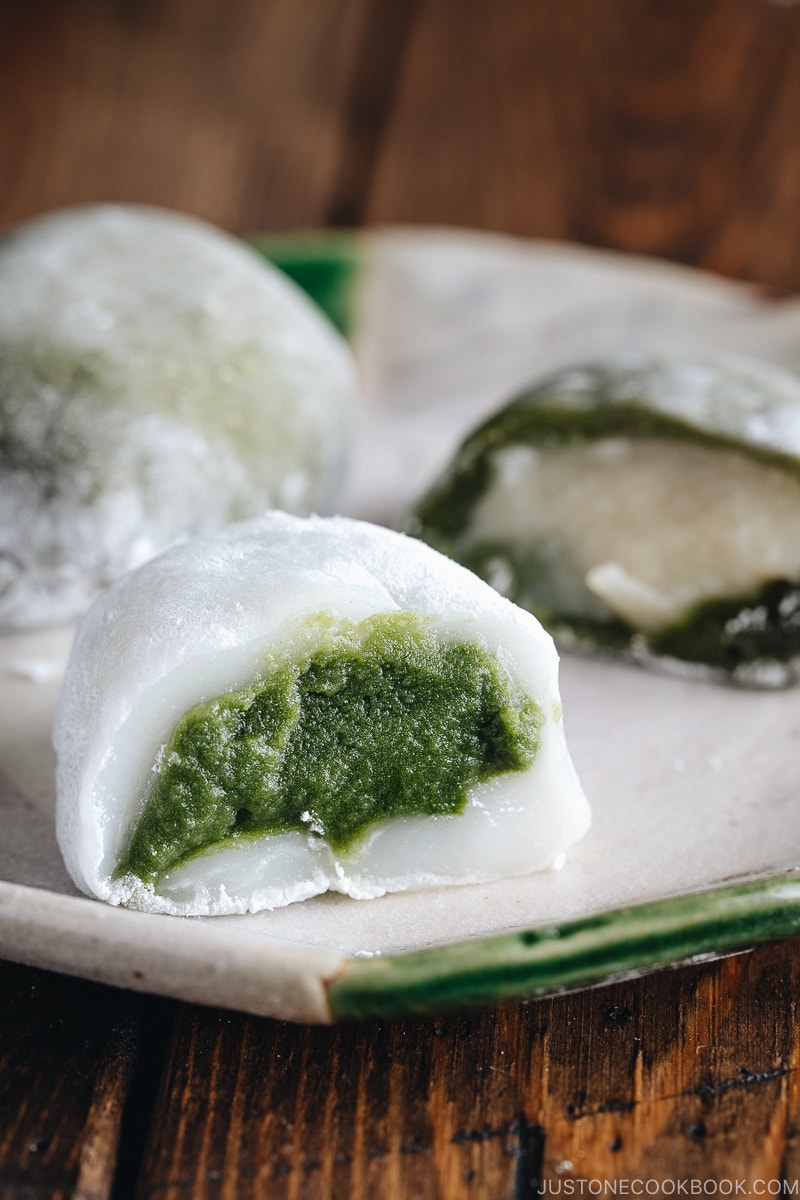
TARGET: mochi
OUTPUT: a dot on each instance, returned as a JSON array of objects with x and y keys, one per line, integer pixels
[
  {"x": 295, "y": 705},
  {"x": 158, "y": 379},
  {"x": 648, "y": 508}
]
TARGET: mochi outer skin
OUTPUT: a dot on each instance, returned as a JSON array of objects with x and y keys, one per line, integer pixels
[
  {"x": 158, "y": 379},
  {"x": 198, "y": 622}
]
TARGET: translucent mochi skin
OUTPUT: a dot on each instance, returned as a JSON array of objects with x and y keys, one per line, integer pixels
[
  {"x": 650, "y": 508},
  {"x": 320, "y": 613},
  {"x": 157, "y": 380}
]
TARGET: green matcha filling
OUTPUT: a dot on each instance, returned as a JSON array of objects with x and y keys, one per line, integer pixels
[
  {"x": 355, "y": 724},
  {"x": 730, "y": 632}
]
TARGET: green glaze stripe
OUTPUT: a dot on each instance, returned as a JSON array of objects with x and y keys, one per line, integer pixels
[
  {"x": 574, "y": 954},
  {"x": 326, "y": 265}
]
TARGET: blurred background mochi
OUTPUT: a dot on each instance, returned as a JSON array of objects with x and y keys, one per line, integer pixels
[{"x": 158, "y": 378}]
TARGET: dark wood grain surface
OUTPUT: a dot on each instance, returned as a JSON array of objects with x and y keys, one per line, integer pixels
[{"x": 666, "y": 128}]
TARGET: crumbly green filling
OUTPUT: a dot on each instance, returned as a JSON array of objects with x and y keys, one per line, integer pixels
[
  {"x": 727, "y": 634},
  {"x": 356, "y": 724}
]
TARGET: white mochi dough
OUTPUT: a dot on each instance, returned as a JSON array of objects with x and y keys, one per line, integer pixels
[
  {"x": 649, "y": 527},
  {"x": 197, "y": 622},
  {"x": 158, "y": 379}
]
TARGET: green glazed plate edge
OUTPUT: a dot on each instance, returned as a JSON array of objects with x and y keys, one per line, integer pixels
[
  {"x": 570, "y": 955},
  {"x": 325, "y": 264}
]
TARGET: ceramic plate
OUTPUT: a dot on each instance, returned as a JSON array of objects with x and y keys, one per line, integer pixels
[{"x": 696, "y": 829}]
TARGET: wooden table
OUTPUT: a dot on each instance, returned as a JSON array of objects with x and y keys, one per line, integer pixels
[{"x": 667, "y": 128}]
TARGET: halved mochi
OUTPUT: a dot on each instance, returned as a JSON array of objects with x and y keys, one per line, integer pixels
[
  {"x": 291, "y": 706},
  {"x": 643, "y": 507},
  {"x": 158, "y": 379}
]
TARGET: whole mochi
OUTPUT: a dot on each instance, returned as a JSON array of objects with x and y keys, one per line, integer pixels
[{"x": 158, "y": 379}]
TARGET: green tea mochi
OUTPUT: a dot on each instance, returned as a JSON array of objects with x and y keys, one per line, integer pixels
[
  {"x": 158, "y": 379},
  {"x": 292, "y": 706},
  {"x": 648, "y": 508}
]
